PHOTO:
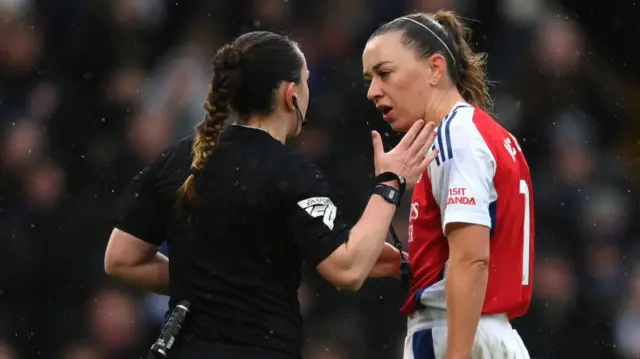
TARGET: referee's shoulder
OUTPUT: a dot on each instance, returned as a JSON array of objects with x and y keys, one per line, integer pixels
[
  {"x": 295, "y": 162},
  {"x": 180, "y": 149},
  {"x": 175, "y": 159}
]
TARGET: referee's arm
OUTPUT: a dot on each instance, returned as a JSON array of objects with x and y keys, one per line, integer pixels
[
  {"x": 132, "y": 252},
  {"x": 350, "y": 264},
  {"x": 137, "y": 262},
  {"x": 343, "y": 256}
]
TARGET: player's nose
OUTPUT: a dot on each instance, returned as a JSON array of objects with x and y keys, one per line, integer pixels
[{"x": 375, "y": 91}]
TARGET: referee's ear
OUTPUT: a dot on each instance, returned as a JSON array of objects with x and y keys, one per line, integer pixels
[{"x": 289, "y": 96}]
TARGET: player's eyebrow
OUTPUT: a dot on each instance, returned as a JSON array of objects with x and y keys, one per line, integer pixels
[{"x": 375, "y": 67}]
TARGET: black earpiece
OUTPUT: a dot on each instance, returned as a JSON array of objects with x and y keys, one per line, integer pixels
[{"x": 301, "y": 118}]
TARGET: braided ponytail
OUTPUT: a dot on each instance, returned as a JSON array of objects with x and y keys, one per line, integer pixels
[
  {"x": 471, "y": 80},
  {"x": 226, "y": 68}
]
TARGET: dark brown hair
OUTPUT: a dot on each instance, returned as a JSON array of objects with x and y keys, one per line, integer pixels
[
  {"x": 246, "y": 75},
  {"x": 465, "y": 67}
]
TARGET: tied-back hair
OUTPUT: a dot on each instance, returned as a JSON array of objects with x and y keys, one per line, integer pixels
[
  {"x": 446, "y": 34},
  {"x": 246, "y": 76}
]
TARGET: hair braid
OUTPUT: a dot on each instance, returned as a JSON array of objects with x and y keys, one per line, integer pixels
[{"x": 208, "y": 131}]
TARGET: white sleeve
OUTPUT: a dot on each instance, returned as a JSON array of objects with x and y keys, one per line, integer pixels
[{"x": 467, "y": 188}]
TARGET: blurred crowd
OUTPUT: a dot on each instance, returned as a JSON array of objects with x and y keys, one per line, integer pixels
[{"x": 91, "y": 91}]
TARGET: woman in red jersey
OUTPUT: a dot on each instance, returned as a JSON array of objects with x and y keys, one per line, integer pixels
[{"x": 471, "y": 221}]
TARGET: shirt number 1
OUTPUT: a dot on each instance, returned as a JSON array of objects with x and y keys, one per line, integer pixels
[{"x": 526, "y": 233}]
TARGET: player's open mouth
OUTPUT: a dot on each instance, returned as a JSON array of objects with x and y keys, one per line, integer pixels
[{"x": 385, "y": 110}]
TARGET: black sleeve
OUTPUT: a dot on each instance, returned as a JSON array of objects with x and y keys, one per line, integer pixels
[
  {"x": 314, "y": 220},
  {"x": 137, "y": 211}
]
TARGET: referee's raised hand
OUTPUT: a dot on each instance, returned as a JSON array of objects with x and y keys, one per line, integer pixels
[{"x": 411, "y": 156}]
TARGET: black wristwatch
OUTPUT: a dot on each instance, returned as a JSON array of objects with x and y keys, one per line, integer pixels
[{"x": 390, "y": 194}]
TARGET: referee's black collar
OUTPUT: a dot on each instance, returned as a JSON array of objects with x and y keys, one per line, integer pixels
[{"x": 250, "y": 127}]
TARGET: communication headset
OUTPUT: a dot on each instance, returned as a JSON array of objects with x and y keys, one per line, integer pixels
[{"x": 302, "y": 120}]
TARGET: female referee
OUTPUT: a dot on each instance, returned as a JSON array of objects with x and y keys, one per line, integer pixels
[
  {"x": 241, "y": 212},
  {"x": 471, "y": 229}
]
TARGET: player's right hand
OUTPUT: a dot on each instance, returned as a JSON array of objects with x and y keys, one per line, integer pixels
[{"x": 411, "y": 156}]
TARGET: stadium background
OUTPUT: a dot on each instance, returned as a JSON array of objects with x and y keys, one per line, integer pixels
[{"x": 92, "y": 90}]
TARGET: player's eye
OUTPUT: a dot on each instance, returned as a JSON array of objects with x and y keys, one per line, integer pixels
[{"x": 383, "y": 74}]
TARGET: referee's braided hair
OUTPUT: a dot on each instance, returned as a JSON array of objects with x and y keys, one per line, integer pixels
[
  {"x": 444, "y": 32},
  {"x": 246, "y": 75}
]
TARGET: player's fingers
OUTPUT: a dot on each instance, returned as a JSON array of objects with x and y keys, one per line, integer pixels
[
  {"x": 426, "y": 161},
  {"x": 410, "y": 136},
  {"x": 378, "y": 148},
  {"x": 428, "y": 144},
  {"x": 421, "y": 141}
]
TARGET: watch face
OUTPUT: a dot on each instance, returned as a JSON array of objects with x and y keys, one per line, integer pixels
[{"x": 392, "y": 195}]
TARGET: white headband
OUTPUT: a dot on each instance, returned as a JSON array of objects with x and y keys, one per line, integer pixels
[{"x": 433, "y": 33}]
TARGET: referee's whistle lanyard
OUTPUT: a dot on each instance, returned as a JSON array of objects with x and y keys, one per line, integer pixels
[{"x": 406, "y": 274}]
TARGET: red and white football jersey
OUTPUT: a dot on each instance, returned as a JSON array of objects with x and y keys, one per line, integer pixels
[{"x": 480, "y": 177}]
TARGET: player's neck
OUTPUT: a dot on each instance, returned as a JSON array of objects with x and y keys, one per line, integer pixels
[{"x": 443, "y": 106}]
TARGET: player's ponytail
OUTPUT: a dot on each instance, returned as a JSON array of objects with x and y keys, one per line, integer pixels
[
  {"x": 208, "y": 131},
  {"x": 471, "y": 80}
]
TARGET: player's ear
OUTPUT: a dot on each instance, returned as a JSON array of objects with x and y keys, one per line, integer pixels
[{"x": 437, "y": 68}]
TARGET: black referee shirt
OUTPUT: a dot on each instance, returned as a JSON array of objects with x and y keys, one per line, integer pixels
[{"x": 262, "y": 211}]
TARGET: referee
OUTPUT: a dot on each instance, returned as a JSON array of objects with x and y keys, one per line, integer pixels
[{"x": 241, "y": 212}]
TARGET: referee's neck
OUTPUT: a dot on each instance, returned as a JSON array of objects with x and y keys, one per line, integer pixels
[{"x": 276, "y": 126}]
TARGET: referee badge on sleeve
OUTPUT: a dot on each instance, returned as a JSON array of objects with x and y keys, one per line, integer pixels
[{"x": 318, "y": 207}]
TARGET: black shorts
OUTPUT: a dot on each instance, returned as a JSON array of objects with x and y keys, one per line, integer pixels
[{"x": 198, "y": 348}]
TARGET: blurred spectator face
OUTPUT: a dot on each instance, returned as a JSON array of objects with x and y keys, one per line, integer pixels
[
  {"x": 22, "y": 146},
  {"x": 6, "y": 352},
  {"x": 113, "y": 317},
  {"x": 570, "y": 138},
  {"x": 604, "y": 215},
  {"x": 43, "y": 101},
  {"x": 399, "y": 80},
  {"x": 124, "y": 86},
  {"x": 138, "y": 13},
  {"x": 573, "y": 165},
  {"x": 554, "y": 285},
  {"x": 45, "y": 184},
  {"x": 81, "y": 351},
  {"x": 22, "y": 45},
  {"x": 270, "y": 12},
  {"x": 150, "y": 135},
  {"x": 604, "y": 263},
  {"x": 314, "y": 143},
  {"x": 558, "y": 46},
  {"x": 431, "y": 5}
]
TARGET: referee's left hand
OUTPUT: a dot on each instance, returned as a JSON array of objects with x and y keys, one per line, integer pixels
[{"x": 411, "y": 156}]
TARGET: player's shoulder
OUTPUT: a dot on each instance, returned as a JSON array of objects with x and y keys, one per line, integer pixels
[
  {"x": 468, "y": 123},
  {"x": 459, "y": 127},
  {"x": 467, "y": 120}
]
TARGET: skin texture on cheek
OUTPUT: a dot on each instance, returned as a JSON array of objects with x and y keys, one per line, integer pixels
[{"x": 411, "y": 96}]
